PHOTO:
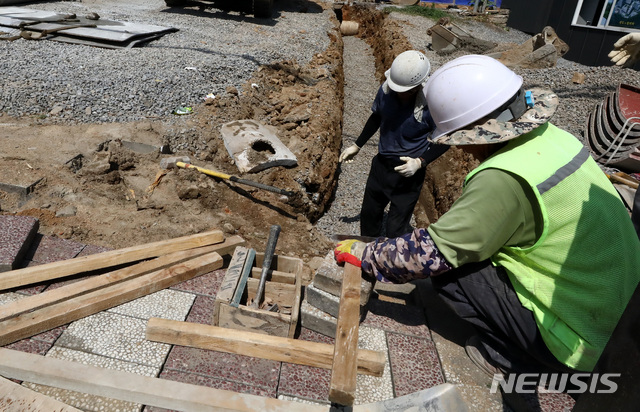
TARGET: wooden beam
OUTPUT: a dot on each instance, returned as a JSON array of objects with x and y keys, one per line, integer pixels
[
  {"x": 17, "y": 398},
  {"x": 65, "y": 311},
  {"x": 140, "y": 389},
  {"x": 50, "y": 297},
  {"x": 60, "y": 269},
  {"x": 195, "y": 335},
  {"x": 343, "y": 372}
]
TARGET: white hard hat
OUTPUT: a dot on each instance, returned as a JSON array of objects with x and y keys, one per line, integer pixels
[
  {"x": 408, "y": 70},
  {"x": 472, "y": 87}
]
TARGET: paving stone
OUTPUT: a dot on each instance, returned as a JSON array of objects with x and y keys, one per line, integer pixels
[
  {"x": 30, "y": 346},
  {"x": 324, "y": 301},
  {"x": 115, "y": 336},
  {"x": 16, "y": 235},
  {"x": 414, "y": 363},
  {"x": 85, "y": 401},
  {"x": 215, "y": 382},
  {"x": 263, "y": 373},
  {"x": 317, "y": 320},
  {"x": 166, "y": 304},
  {"x": 394, "y": 317},
  {"x": 371, "y": 389},
  {"x": 328, "y": 278},
  {"x": 47, "y": 249},
  {"x": 202, "y": 310},
  {"x": 207, "y": 284},
  {"x": 92, "y": 250}
]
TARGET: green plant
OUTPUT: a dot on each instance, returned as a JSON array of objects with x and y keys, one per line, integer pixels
[{"x": 417, "y": 10}]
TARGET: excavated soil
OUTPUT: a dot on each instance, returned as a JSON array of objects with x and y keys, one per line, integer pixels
[{"x": 89, "y": 185}]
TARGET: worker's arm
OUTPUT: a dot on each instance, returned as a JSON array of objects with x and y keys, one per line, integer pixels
[
  {"x": 494, "y": 211},
  {"x": 370, "y": 128}
]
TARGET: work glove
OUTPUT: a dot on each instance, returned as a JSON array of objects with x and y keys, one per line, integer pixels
[
  {"x": 410, "y": 167},
  {"x": 350, "y": 251},
  {"x": 626, "y": 50},
  {"x": 349, "y": 153}
]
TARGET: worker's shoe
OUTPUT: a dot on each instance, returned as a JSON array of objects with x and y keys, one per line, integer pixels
[{"x": 478, "y": 354}]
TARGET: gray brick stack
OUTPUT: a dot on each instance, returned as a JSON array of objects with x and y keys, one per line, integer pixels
[{"x": 319, "y": 309}]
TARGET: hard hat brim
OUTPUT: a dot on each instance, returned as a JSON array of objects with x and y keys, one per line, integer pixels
[
  {"x": 493, "y": 131},
  {"x": 398, "y": 88}
]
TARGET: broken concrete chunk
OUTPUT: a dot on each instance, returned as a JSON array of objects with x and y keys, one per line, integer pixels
[{"x": 255, "y": 146}]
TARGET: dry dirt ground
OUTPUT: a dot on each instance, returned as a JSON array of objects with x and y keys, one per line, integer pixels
[{"x": 122, "y": 197}]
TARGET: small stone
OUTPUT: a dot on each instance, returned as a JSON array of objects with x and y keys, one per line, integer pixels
[{"x": 67, "y": 211}]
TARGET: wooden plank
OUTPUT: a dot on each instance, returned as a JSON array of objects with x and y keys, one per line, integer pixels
[
  {"x": 17, "y": 398},
  {"x": 275, "y": 275},
  {"x": 242, "y": 281},
  {"x": 55, "y": 270},
  {"x": 63, "y": 312},
  {"x": 229, "y": 284},
  {"x": 245, "y": 318},
  {"x": 50, "y": 297},
  {"x": 281, "y": 293},
  {"x": 343, "y": 373},
  {"x": 134, "y": 388},
  {"x": 319, "y": 355}
]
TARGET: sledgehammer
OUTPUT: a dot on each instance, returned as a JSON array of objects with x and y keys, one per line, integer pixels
[{"x": 171, "y": 162}]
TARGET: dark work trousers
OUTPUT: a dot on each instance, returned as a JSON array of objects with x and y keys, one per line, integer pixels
[
  {"x": 483, "y": 295},
  {"x": 635, "y": 212},
  {"x": 386, "y": 186}
]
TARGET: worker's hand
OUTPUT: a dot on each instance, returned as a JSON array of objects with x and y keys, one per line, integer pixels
[
  {"x": 626, "y": 50},
  {"x": 349, "y": 251},
  {"x": 410, "y": 167},
  {"x": 349, "y": 153}
]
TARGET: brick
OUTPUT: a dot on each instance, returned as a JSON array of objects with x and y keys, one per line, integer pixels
[{"x": 16, "y": 234}]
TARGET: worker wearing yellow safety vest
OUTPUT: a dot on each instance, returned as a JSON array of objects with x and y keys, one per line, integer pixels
[{"x": 539, "y": 252}]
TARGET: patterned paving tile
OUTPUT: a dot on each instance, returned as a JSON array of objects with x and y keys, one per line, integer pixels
[
  {"x": 30, "y": 346},
  {"x": 227, "y": 366},
  {"x": 414, "y": 363},
  {"x": 202, "y": 310},
  {"x": 85, "y": 401},
  {"x": 207, "y": 284},
  {"x": 394, "y": 317},
  {"x": 92, "y": 249},
  {"x": 371, "y": 389},
  {"x": 16, "y": 233},
  {"x": 166, "y": 304},
  {"x": 115, "y": 336},
  {"x": 47, "y": 249}
]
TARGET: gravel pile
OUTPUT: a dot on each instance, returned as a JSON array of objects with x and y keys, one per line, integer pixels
[{"x": 212, "y": 50}]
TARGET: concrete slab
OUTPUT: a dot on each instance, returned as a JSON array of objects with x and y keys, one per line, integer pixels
[
  {"x": 328, "y": 278},
  {"x": 16, "y": 234},
  {"x": 317, "y": 320},
  {"x": 324, "y": 301},
  {"x": 255, "y": 146}
]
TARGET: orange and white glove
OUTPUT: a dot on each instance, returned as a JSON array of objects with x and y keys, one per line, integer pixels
[
  {"x": 410, "y": 167},
  {"x": 349, "y": 251},
  {"x": 626, "y": 50}
]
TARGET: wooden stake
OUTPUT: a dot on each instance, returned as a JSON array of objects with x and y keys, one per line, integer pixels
[
  {"x": 319, "y": 355},
  {"x": 343, "y": 372},
  {"x": 60, "y": 269},
  {"x": 140, "y": 389},
  {"x": 50, "y": 297},
  {"x": 65, "y": 311}
]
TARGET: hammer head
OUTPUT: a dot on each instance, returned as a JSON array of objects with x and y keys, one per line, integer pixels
[{"x": 170, "y": 162}]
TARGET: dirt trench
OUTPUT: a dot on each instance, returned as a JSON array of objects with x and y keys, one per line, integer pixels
[{"x": 90, "y": 187}]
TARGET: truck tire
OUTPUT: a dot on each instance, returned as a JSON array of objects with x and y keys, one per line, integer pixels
[{"x": 262, "y": 8}]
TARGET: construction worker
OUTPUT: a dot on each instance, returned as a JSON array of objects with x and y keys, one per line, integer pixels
[
  {"x": 539, "y": 252},
  {"x": 398, "y": 170}
]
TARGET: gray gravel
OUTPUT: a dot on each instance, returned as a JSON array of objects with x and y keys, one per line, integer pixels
[{"x": 211, "y": 51}]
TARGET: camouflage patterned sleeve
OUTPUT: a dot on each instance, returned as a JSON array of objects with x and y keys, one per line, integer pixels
[{"x": 405, "y": 258}]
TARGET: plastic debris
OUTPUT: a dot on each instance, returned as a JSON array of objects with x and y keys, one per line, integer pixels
[{"x": 182, "y": 110}]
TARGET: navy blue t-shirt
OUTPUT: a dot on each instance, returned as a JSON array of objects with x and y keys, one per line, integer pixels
[{"x": 400, "y": 133}]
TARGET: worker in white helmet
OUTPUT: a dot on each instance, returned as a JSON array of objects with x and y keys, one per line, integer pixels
[
  {"x": 398, "y": 170},
  {"x": 539, "y": 252}
]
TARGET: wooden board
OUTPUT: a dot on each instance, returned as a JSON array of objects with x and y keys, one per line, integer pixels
[
  {"x": 17, "y": 398},
  {"x": 134, "y": 388},
  {"x": 55, "y": 270},
  {"x": 65, "y": 311},
  {"x": 230, "y": 282},
  {"x": 50, "y": 297},
  {"x": 257, "y": 345},
  {"x": 343, "y": 373}
]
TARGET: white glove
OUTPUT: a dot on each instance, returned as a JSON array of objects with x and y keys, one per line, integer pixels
[
  {"x": 626, "y": 50},
  {"x": 410, "y": 167},
  {"x": 348, "y": 154}
]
